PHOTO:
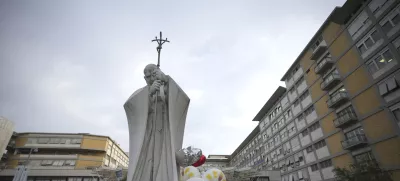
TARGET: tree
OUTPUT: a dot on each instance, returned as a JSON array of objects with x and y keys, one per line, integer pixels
[{"x": 366, "y": 171}]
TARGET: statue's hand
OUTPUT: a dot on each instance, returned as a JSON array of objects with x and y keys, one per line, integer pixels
[{"x": 155, "y": 86}]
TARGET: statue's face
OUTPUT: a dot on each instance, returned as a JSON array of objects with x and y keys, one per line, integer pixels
[
  {"x": 148, "y": 76},
  {"x": 152, "y": 73}
]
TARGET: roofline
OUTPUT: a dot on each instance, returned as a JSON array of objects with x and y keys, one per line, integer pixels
[
  {"x": 270, "y": 103},
  {"x": 83, "y": 134},
  {"x": 316, "y": 35},
  {"x": 255, "y": 131},
  {"x": 218, "y": 155},
  {"x": 339, "y": 15}
]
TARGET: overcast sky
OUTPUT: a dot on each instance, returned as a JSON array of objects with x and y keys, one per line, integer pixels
[{"x": 69, "y": 66}]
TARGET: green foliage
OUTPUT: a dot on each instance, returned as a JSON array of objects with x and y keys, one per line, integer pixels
[{"x": 367, "y": 171}]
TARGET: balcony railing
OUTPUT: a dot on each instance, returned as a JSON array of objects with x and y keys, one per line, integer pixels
[
  {"x": 318, "y": 51},
  {"x": 330, "y": 81},
  {"x": 337, "y": 100},
  {"x": 354, "y": 141},
  {"x": 325, "y": 64},
  {"x": 345, "y": 119}
]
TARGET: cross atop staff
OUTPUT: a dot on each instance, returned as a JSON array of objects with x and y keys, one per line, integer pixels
[{"x": 159, "y": 47}]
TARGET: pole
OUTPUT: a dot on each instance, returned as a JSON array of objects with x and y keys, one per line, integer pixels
[
  {"x": 153, "y": 130},
  {"x": 160, "y": 42}
]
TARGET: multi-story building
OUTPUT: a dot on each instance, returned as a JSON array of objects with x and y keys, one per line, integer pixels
[
  {"x": 63, "y": 156},
  {"x": 215, "y": 161},
  {"x": 341, "y": 104},
  {"x": 6, "y": 130}
]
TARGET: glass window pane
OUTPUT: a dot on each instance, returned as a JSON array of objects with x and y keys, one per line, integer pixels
[
  {"x": 396, "y": 19},
  {"x": 391, "y": 83},
  {"x": 369, "y": 43},
  {"x": 396, "y": 113},
  {"x": 372, "y": 68},
  {"x": 362, "y": 48},
  {"x": 380, "y": 62},
  {"x": 387, "y": 27},
  {"x": 388, "y": 56},
  {"x": 375, "y": 36},
  {"x": 383, "y": 89}
]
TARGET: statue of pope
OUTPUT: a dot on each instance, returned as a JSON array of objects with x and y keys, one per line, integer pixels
[{"x": 156, "y": 117}]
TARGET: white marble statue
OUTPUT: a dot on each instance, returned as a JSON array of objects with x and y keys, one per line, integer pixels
[{"x": 156, "y": 117}]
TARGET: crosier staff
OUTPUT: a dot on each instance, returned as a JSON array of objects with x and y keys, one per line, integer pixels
[{"x": 157, "y": 76}]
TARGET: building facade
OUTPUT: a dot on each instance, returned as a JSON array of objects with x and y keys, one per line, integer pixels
[
  {"x": 64, "y": 156},
  {"x": 341, "y": 104},
  {"x": 215, "y": 161},
  {"x": 6, "y": 131}
]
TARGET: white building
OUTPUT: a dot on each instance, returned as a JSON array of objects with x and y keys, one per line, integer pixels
[{"x": 6, "y": 130}]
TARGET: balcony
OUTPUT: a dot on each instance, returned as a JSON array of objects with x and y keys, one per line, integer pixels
[
  {"x": 345, "y": 119},
  {"x": 337, "y": 99},
  {"x": 330, "y": 81},
  {"x": 324, "y": 65},
  {"x": 319, "y": 50},
  {"x": 354, "y": 142}
]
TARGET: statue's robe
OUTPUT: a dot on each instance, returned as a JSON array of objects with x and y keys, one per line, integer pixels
[{"x": 170, "y": 118}]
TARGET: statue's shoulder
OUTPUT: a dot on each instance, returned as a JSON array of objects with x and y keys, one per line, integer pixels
[
  {"x": 174, "y": 86},
  {"x": 137, "y": 92}
]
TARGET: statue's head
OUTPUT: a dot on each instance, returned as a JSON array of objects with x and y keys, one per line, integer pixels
[{"x": 152, "y": 73}]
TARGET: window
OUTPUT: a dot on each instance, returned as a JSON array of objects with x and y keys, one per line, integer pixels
[
  {"x": 304, "y": 133},
  {"x": 74, "y": 178},
  {"x": 354, "y": 132},
  {"x": 360, "y": 23},
  {"x": 396, "y": 113},
  {"x": 319, "y": 144},
  {"x": 300, "y": 118},
  {"x": 391, "y": 20},
  {"x": 396, "y": 44},
  {"x": 346, "y": 111},
  {"x": 380, "y": 61},
  {"x": 377, "y": 5},
  {"x": 284, "y": 101},
  {"x": 317, "y": 43},
  {"x": 283, "y": 134},
  {"x": 364, "y": 157},
  {"x": 58, "y": 163},
  {"x": 291, "y": 128},
  {"x": 76, "y": 141},
  {"x": 278, "y": 109},
  {"x": 314, "y": 127},
  {"x": 296, "y": 103},
  {"x": 276, "y": 139},
  {"x": 46, "y": 162},
  {"x": 309, "y": 149},
  {"x": 325, "y": 164},
  {"x": 309, "y": 110},
  {"x": 54, "y": 141},
  {"x": 281, "y": 122},
  {"x": 288, "y": 114},
  {"x": 43, "y": 140},
  {"x": 63, "y": 140},
  {"x": 314, "y": 167},
  {"x": 291, "y": 90},
  {"x": 388, "y": 86},
  {"x": 300, "y": 81},
  {"x": 368, "y": 41},
  {"x": 302, "y": 97}
]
